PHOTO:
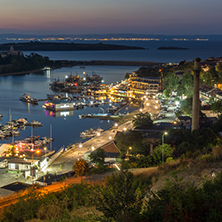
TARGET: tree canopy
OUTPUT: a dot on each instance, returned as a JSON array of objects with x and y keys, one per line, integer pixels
[{"x": 142, "y": 120}]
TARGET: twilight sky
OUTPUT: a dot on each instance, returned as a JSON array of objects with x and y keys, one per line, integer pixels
[{"x": 113, "y": 16}]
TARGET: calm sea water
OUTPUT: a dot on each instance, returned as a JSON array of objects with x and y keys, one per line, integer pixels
[
  {"x": 66, "y": 126},
  {"x": 66, "y": 129},
  {"x": 202, "y": 49}
]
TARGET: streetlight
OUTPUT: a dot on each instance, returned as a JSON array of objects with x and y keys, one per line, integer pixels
[
  {"x": 165, "y": 133},
  {"x": 37, "y": 152},
  {"x": 124, "y": 177}
]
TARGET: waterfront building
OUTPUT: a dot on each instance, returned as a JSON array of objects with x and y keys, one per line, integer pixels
[{"x": 143, "y": 84}]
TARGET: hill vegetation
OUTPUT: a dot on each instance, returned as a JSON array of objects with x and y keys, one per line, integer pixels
[{"x": 54, "y": 46}]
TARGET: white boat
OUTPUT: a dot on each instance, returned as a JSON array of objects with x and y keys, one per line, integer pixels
[
  {"x": 36, "y": 123},
  {"x": 112, "y": 109},
  {"x": 91, "y": 132}
]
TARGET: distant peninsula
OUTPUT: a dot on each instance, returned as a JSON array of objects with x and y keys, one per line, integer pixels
[
  {"x": 53, "y": 46},
  {"x": 171, "y": 48}
]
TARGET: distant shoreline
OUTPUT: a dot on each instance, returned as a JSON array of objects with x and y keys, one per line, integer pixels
[
  {"x": 67, "y": 63},
  {"x": 52, "y": 46},
  {"x": 171, "y": 48}
]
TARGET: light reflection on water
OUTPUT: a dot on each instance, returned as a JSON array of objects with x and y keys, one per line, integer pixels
[{"x": 66, "y": 128}]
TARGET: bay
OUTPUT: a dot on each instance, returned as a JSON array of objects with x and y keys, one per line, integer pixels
[
  {"x": 66, "y": 126},
  {"x": 66, "y": 129}
]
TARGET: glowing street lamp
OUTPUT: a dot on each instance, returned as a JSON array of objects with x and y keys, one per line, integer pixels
[
  {"x": 165, "y": 133},
  {"x": 80, "y": 145}
]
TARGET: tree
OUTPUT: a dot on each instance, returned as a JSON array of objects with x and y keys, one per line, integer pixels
[
  {"x": 98, "y": 157},
  {"x": 142, "y": 120},
  {"x": 124, "y": 140},
  {"x": 187, "y": 84},
  {"x": 171, "y": 82},
  {"x": 80, "y": 167},
  {"x": 217, "y": 107},
  {"x": 186, "y": 106},
  {"x": 157, "y": 153},
  {"x": 122, "y": 196}
]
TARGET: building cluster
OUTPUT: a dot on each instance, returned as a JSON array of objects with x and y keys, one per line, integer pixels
[{"x": 11, "y": 52}]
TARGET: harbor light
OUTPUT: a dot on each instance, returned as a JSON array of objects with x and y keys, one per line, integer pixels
[
  {"x": 156, "y": 101},
  {"x": 116, "y": 124},
  {"x": 80, "y": 145},
  {"x": 141, "y": 110},
  {"x": 110, "y": 137},
  {"x": 147, "y": 104},
  {"x": 155, "y": 107},
  {"x": 98, "y": 134},
  {"x": 124, "y": 128},
  {"x": 93, "y": 148}
]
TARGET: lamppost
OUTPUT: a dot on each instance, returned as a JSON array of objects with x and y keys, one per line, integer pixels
[
  {"x": 33, "y": 152},
  {"x": 165, "y": 133},
  {"x": 124, "y": 177}
]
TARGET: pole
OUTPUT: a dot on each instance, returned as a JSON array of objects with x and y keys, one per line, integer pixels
[
  {"x": 162, "y": 148},
  {"x": 51, "y": 137},
  {"x": 196, "y": 100}
]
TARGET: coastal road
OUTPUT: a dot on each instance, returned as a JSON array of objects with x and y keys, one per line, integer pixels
[{"x": 67, "y": 159}]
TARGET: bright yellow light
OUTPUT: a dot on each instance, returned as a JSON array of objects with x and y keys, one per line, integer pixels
[
  {"x": 80, "y": 145},
  {"x": 38, "y": 151},
  {"x": 110, "y": 137},
  {"x": 130, "y": 148},
  {"x": 124, "y": 129}
]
